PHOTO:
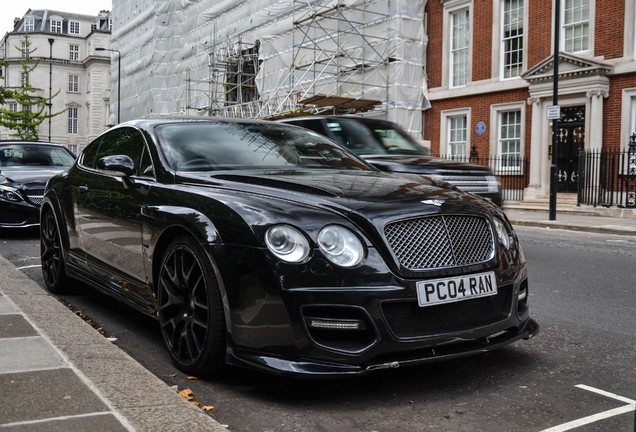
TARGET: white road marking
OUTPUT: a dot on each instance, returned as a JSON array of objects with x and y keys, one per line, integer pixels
[
  {"x": 631, "y": 406},
  {"x": 29, "y": 266}
]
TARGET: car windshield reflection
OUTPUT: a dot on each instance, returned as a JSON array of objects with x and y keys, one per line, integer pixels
[
  {"x": 34, "y": 156},
  {"x": 232, "y": 146}
]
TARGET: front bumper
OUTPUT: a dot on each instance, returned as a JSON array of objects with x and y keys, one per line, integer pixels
[
  {"x": 391, "y": 331},
  {"x": 18, "y": 214},
  {"x": 323, "y": 369}
]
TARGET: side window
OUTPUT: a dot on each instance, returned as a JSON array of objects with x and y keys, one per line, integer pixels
[
  {"x": 88, "y": 156},
  {"x": 145, "y": 168},
  {"x": 122, "y": 141},
  {"x": 314, "y": 125}
]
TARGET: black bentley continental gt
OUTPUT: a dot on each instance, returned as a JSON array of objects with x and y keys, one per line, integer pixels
[{"x": 266, "y": 245}]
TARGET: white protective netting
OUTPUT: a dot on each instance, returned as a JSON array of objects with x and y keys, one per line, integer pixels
[{"x": 370, "y": 49}]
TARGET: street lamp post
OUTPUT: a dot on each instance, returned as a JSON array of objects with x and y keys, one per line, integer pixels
[
  {"x": 50, "y": 101},
  {"x": 555, "y": 122},
  {"x": 118, "y": 79}
]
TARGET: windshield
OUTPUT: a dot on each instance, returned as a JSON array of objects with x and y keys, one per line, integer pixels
[
  {"x": 34, "y": 156},
  {"x": 208, "y": 146},
  {"x": 369, "y": 137}
]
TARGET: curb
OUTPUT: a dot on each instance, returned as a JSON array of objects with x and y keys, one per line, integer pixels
[{"x": 139, "y": 399}]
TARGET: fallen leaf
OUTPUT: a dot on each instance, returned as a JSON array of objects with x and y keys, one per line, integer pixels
[
  {"x": 193, "y": 378},
  {"x": 207, "y": 407},
  {"x": 187, "y": 394},
  {"x": 196, "y": 404}
]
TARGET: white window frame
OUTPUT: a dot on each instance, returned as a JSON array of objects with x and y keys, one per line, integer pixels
[
  {"x": 445, "y": 132},
  {"x": 12, "y": 106},
  {"x": 73, "y": 52},
  {"x": 496, "y": 116},
  {"x": 590, "y": 27},
  {"x": 29, "y": 24},
  {"x": 523, "y": 37},
  {"x": 55, "y": 25},
  {"x": 73, "y": 83},
  {"x": 73, "y": 27},
  {"x": 24, "y": 50},
  {"x": 628, "y": 116},
  {"x": 72, "y": 120},
  {"x": 459, "y": 53},
  {"x": 451, "y": 7}
]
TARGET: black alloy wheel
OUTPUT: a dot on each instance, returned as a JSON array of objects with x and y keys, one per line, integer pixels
[
  {"x": 190, "y": 308},
  {"x": 51, "y": 253}
]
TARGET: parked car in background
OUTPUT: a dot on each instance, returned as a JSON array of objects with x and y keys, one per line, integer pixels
[
  {"x": 385, "y": 145},
  {"x": 25, "y": 167},
  {"x": 269, "y": 246}
]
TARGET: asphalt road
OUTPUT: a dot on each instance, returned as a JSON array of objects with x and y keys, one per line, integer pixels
[{"x": 582, "y": 364}]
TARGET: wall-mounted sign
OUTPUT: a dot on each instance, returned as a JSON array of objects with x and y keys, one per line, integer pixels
[
  {"x": 553, "y": 112},
  {"x": 480, "y": 128}
]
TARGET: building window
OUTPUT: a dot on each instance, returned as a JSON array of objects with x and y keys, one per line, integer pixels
[
  {"x": 72, "y": 148},
  {"x": 73, "y": 83},
  {"x": 24, "y": 50},
  {"x": 56, "y": 26},
  {"x": 73, "y": 53},
  {"x": 74, "y": 27},
  {"x": 576, "y": 25},
  {"x": 459, "y": 44},
  {"x": 24, "y": 79},
  {"x": 457, "y": 137},
  {"x": 512, "y": 38},
  {"x": 72, "y": 120},
  {"x": 509, "y": 142},
  {"x": 12, "y": 106},
  {"x": 29, "y": 25}
]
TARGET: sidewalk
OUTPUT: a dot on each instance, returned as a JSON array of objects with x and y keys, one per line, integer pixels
[
  {"x": 58, "y": 374},
  {"x": 573, "y": 221}
]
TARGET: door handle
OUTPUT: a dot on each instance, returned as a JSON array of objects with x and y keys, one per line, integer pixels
[{"x": 83, "y": 189}]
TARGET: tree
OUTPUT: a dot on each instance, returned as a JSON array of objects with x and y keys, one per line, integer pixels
[{"x": 31, "y": 112}]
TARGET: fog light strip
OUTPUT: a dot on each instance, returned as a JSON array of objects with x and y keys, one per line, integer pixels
[{"x": 335, "y": 325}]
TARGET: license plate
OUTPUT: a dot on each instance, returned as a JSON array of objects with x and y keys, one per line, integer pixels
[{"x": 454, "y": 289}]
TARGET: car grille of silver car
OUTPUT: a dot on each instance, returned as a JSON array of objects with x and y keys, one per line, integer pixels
[
  {"x": 473, "y": 183},
  {"x": 435, "y": 242},
  {"x": 35, "y": 196}
]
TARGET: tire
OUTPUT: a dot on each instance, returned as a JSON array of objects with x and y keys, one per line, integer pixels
[
  {"x": 190, "y": 309},
  {"x": 53, "y": 268}
]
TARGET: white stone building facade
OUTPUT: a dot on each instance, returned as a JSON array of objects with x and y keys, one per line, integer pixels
[{"x": 65, "y": 45}]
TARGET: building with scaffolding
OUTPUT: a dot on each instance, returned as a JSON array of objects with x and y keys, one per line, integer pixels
[{"x": 272, "y": 58}]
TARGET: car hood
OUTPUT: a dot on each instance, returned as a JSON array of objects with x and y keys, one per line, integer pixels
[
  {"x": 369, "y": 193},
  {"x": 27, "y": 176},
  {"x": 422, "y": 164}
]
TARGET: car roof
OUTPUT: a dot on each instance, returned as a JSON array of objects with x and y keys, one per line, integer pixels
[{"x": 23, "y": 142}]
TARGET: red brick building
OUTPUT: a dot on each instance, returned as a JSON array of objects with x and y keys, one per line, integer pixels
[{"x": 489, "y": 67}]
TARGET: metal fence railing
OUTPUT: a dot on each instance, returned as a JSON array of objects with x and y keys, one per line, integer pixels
[{"x": 607, "y": 178}]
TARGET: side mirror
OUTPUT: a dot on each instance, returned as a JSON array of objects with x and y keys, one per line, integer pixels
[{"x": 117, "y": 165}]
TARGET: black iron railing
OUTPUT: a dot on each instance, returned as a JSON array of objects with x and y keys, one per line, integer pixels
[{"x": 608, "y": 177}]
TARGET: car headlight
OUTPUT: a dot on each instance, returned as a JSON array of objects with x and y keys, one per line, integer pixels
[
  {"x": 287, "y": 243},
  {"x": 10, "y": 194},
  {"x": 502, "y": 233},
  {"x": 340, "y": 246}
]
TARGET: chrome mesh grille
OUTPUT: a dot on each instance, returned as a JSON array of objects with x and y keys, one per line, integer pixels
[
  {"x": 440, "y": 241},
  {"x": 35, "y": 196}
]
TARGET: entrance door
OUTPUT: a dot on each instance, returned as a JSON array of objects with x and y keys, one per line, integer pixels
[{"x": 570, "y": 138}]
